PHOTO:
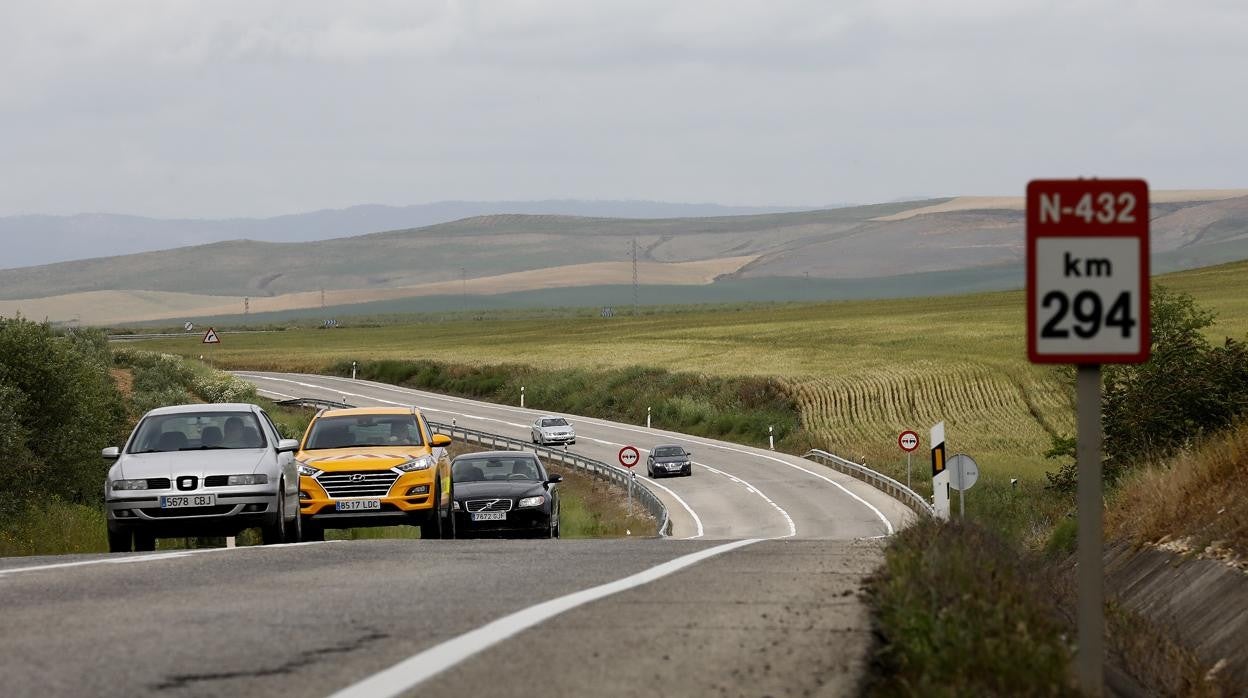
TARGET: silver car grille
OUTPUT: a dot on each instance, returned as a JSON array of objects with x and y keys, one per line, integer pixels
[
  {"x": 365, "y": 484},
  {"x": 478, "y": 505}
]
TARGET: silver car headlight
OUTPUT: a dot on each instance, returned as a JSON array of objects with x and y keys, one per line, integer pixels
[
  {"x": 307, "y": 470},
  {"x": 422, "y": 463},
  {"x": 129, "y": 484},
  {"x": 259, "y": 479},
  {"x": 531, "y": 502}
]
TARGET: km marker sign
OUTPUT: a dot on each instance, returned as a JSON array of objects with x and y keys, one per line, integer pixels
[{"x": 1087, "y": 304}]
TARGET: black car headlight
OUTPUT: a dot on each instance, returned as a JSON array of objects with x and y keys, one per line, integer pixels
[{"x": 527, "y": 502}]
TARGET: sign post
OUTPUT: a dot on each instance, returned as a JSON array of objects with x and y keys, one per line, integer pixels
[
  {"x": 940, "y": 474},
  {"x": 629, "y": 455},
  {"x": 908, "y": 441},
  {"x": 1087, "y": 304},
  {"x": 963, "y": 473}
]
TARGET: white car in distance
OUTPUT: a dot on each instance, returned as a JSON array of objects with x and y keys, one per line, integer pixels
[{"x": 550, "y": 429}]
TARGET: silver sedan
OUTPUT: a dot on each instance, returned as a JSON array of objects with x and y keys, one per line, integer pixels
[
  {"x": 552, "y": 430},
  {"x": 201, "y": 470}
]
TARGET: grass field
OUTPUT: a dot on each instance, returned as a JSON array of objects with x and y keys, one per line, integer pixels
[{"x": 860, "y": 371}]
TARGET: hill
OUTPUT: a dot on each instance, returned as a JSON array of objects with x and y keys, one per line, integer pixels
[
  {"x": 39, "y": 240},
  {"x": 964, "y": 244}
]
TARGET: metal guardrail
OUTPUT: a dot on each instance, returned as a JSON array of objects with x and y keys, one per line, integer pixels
[
  {"x": 596, "y": 468},
  {"x": 880, "y": 481},
  {"x": 313, "y": 402}
]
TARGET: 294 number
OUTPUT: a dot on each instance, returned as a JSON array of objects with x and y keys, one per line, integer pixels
[{"x": 1089, "y": 314}]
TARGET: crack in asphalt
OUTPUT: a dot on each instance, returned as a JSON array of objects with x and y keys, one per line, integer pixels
[{"x": 303, "y": 659}]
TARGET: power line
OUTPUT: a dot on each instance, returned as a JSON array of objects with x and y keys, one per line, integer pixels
[{"x": 634, "y": 276}]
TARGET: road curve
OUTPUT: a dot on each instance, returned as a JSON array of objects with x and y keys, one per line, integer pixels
[
  {"x": 735, "y": 492},
  {"x": 757, "y": 594}
]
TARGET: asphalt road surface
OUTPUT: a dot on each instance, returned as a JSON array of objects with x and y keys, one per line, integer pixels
[{"x": 756, "y": 594}]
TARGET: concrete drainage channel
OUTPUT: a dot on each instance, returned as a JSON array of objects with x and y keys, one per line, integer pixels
[{"x": 595, "y": 468}]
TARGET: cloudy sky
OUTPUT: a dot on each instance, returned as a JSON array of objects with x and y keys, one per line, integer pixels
[{"x": 252, "y": 108}]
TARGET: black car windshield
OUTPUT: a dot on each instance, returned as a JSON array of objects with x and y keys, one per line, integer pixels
[
  {"x": 496, "y": 468},
  {"x": 195, "y": 431},
  {"x": 668, "y": 451},
  {"x": 557, "y": 422},
  {"x": 357, "y": 431}
]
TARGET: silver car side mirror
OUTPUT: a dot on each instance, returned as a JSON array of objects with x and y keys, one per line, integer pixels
[
  {"x": 287, "y": 446},
  {"x": 111, "y": 453}
]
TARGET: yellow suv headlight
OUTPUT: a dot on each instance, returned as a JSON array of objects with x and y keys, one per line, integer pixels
[{"x": 421, "y": 463}]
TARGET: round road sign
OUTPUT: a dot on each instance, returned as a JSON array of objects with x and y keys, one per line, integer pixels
[
  {"x": 908, "y": 441},
  {"x": 963, "y": 472},
  {"x": 629, "y": 456}
]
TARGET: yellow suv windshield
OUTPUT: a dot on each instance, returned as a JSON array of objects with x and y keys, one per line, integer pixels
[{"x": 357, "y": 431}]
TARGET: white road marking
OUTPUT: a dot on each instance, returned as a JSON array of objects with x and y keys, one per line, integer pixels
[
  {"x": 888, "y": 525},
  {"x": 755, "y": 490},
  {"x": 697, "y": 521},
  {"x": 420, "y": 667},
  {"x": 155, "y": 557}
]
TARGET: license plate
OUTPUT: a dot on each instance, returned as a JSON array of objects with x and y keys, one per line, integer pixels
[
  {"x": 675, "y": 467},
  {"x": 490, "y": 516},
  {"x": 183, "y": 501},
  {"x": 358, "y": 505}
]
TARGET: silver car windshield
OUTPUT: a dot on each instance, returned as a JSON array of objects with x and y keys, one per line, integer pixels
[
  {"x": 555, "y": 422},
  {"x": 195, "y": 431},
  {"x": 494, "y": 469}
]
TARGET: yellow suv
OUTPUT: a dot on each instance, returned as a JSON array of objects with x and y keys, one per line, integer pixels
[{"x": 374, "y": 466}]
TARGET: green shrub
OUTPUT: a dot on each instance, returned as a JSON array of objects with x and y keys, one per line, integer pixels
[
  {"x": 962, "y": 613},
  {"x": 60, "y": 408}
]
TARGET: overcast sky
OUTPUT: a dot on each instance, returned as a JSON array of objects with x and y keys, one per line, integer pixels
[{"x": 250, "y": 108}]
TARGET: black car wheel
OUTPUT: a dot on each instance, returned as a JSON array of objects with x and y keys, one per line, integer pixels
[
  {"x": 313, "y": 532},
  {"x": 294, "y": 529},
  {"x": 144, "y": 542},
  {"x": 120, "y": 541},
  {"x": 431, "y": 527},
  {"x": 276, "y": 532}
]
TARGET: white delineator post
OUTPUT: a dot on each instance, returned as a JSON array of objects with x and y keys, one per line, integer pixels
[
  {"x": 940, "y": 475},
  {"x": 647, "y": 417},
  {"x": 522, "y": 396},
  {"x": 353, "y": 365},
  {"x": 771, "y": 437}
]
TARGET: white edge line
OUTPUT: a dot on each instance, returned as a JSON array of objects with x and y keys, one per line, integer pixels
[
  {"x": 755, "y": 490},
  {"x": 888, "y": 525},
  {"x": 428, "y": 663},
  {"x": 155, "y": 557}
]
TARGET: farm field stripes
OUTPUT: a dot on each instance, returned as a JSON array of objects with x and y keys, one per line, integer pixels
[{"x": 858, "y": 371}]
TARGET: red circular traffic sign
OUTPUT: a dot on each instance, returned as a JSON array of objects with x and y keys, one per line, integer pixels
[
  {"x": 908, "y": 441},
  {"x": 629, "y": 456}
]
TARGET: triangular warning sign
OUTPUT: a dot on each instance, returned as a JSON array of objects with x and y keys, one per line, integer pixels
[{"x": 210, "y": 337}]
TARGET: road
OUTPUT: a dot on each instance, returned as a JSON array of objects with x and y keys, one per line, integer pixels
[{"x": 757, "y": 593}]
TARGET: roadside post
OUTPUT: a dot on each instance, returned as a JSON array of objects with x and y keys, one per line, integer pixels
[
  {"x": 940, "y": 473},
  {"x": 522, "y": 396},
  {"x": 647, "y": 417},
  {"x": 629, "y": 456},
  {"x": 908, "y": 441},
  {"x": 353, "y": 365},
  {"x": 771, "y": 437},
  {"x": 1087, "y": 304},
  {"x": 963, "y": 473}
]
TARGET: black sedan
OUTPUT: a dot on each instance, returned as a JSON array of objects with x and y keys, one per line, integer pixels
[
  {"x": 504, "y": 494},
  {"x": 669, "y": 460}
]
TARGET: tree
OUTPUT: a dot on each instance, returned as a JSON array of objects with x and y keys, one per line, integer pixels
[{"x": 1188, "y": 388}]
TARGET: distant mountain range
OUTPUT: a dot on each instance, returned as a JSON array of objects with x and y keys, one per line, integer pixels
[
  {"x": 938, "y": 246},
  {"x": 34, "y": 240}
]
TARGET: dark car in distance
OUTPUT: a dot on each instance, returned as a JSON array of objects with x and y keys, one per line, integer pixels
[
  {"x": 504, "y": 494},
  {"x": 669, "y": 460}
]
